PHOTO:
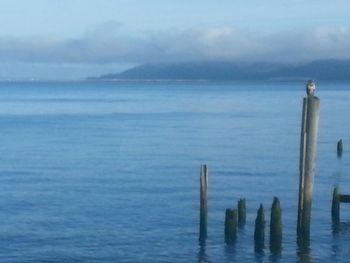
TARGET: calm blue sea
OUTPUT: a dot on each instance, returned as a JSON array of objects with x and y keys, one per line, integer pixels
[{"x": 109, "y": 172}]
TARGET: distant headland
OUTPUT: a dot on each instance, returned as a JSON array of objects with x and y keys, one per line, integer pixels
[{"x": 321, "y": 70}]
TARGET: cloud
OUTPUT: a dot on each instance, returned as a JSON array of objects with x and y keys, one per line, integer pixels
[{"x": 109, "y": 43}]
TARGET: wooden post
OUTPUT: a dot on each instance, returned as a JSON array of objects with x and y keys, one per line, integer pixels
[
  {"x": 276, "y": 226},
  {"x": 335, "y": 206},
  {"x": 241, "y": 212},
  {"x": 230, "y": 225},
  {"x": 344, "y": 198},
  {"x": 308, "y": 147},
  {"x": 340, "y": 148},
  {"x": 203, "y": 203},
  {"x": 259, "y": 232}
]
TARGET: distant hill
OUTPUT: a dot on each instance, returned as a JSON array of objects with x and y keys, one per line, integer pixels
[{"x": 322, "y": 70}]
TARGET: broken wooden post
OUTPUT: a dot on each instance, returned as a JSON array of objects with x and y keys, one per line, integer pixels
[
  {"x": 335, "y": 206},
  {"x": 259, "y": 232},
  {"x": 203, "y": 221},
  {"x": 276, "y": 226},
  {"x": 241, "y": 212},
  {"x": 230, "y": 225},
  {"x": 340, "y": 148},
  {"x": 308, "y": 147},
  {"x": 337, "y": 199}
]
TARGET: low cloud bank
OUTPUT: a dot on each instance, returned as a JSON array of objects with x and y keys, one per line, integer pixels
[{"x": 109, "y": 44}]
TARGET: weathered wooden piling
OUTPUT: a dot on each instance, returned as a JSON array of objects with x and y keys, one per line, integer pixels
[
  {"x": 276, "y": 226},
  {"x": 241, "y": 212},
  {"x": 308, "y": 147},
  {"x": 337, "y": 199},
  {"x": 203, "y": 221},
  {"x": 335, "y": 206},
  {"x": 231, "y": 222},
  {"x": 340, "y": 148},
  {"x": 259, "y": 232}
]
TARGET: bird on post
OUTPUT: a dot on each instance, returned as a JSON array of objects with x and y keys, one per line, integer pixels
[{"x": 310, "y": 88}]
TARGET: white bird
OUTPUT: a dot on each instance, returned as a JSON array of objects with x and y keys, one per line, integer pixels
[{"x": 310, "y": 88}]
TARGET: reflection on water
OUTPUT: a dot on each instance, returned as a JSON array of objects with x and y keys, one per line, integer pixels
[
  {"x": 259, "y": 255},
  {"x": 339, "y": 248},
  {"x": 304, "y": 258},
  {"x": 275, "y": 257},
  {"x": 230, "y": 252},
  {"x": 335, "y": 247},
  {"x": 335, "y": 227},
  {"x": 276, "y": 249},
  {"x": 341, "y": 227},
  {"x": 304, "y": 251},
  {"x": 303, "y": 243},
  {"x": 202, "y": 255}
]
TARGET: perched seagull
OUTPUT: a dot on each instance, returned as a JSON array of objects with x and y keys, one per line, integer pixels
[{"x": 310, "y": 88}]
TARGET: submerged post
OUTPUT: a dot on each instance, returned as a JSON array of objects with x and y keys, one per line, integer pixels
[
  {"x": 230, "y": 225},
  {"x": 276, "y": 227},
  {"x": 259, "y": 232},
  {"x": 340, "y": 148},
  {"x": 335, "y": 206},
  {"x": 308, "y": 147},
  {"x": 241, "y": 212},
  {"x": 203, "y": 218}
]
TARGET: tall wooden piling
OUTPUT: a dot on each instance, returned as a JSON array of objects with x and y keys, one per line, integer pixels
[
  {"x": 340, "y": 148},
  {"x": 259, "y": 232},
  {"x": 276, "y": 226},
  {"x": 308, "y": 147},
  {"x": 203, "y": 217},
  {"x": 241, "y": 206},
  {"x": 335, "y": 206},
  {"x": 231, "y": 222}
]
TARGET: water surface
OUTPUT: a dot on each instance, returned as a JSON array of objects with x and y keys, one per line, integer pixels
[{"x": 109, "y": 172}]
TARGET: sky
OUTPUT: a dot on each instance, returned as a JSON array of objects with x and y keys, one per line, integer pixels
[{"x": 74, "y": 39}]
